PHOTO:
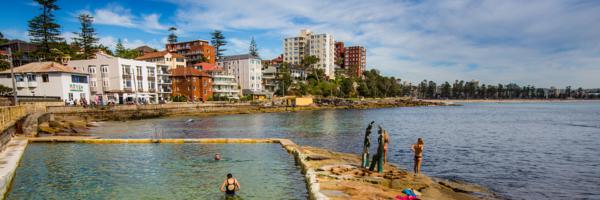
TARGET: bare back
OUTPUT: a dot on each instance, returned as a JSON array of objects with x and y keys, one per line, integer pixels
[{"x": 418, "y": 149}]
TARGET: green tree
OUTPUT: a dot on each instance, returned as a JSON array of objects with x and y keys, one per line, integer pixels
[
  {"x": 253, "y": 49},
  {"x": 446, "y": 89},
  {"x": 5, "y": 90},
  {"x": 105, "y": 49},
  {"x": 86, "y": 39},
  {"x": 4, "y": 65},
  {"x": 284, "y": 78},
  {"x": 2, "y": 39},
  {"x": 172, "y": 37},
  {"x": 308, "y": 64},
  {"x": 218, "y": 41},
  {"x": 44, "y": 31},
  {"x": 121, "y": 51}
]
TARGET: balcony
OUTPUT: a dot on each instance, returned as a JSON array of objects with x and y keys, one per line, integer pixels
[
  {"x": 93, "y": 89},
  {"x": 126, "y": 76},
  {"x": 224, "y": 83},
  {"x": 152, "y": 90},
  {"x": 150, "y": 78},
  {"x": 21, "y": 84},
  {"x": 104, "y": 74},
  {"x": 165, "y": 91},
  {"x": 32, "y": 84},
  {"x": 140, "y": 90},
  {"x": 127, "y": 89}
]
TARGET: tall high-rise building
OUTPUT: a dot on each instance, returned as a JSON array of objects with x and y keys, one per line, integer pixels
[
  {"x": 308, "y": 44},
  {"x": 355, "y": 60}
]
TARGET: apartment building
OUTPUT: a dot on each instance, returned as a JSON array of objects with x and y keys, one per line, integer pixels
[
  {"x": 48, "y": 79},
  {"x": 356, "y": 60},
  {"x": 309, "y": 44},
  {"x": 191, "y": 83},
  {"x": 223, "y": 84},
  {"x": 340, "y": 52},
  {"x": 26, "y": 51},
  {"x": 194, "y": 51},
  {"x": 120, "y": 80},
  {"x": 246, "y": 69},
  {"x": 165, "y": 61}
]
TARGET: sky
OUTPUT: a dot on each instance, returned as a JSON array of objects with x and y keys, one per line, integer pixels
[{"x": 538, "y": 42}]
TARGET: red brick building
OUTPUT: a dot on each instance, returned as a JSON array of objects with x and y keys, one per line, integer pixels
[
  {"x": 192, "y": 83},
  {"x": 275, "y": 61},
  {"x": 355, "y": 60},
  {"x": 340, "y": 52},
  {"x": 194, "y": 51}
]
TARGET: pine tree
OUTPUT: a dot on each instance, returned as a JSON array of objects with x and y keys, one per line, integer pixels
[
  {"x": 43, "y": 30},
  {"x": 120, "y": 49},
  {"x": 172, "y": 37},
  {"x": 253, "y": 49},
  {"x": 218, "y": 41},
  {"x": 86, "y": 39}
]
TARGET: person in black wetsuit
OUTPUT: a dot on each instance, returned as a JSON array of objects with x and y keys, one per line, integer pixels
[{"x": 230, "y": 185}]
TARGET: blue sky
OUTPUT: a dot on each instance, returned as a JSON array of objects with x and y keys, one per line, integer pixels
[{"x": 540, "y": 42}]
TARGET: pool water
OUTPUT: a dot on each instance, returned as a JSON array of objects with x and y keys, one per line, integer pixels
[{"x": 155, "y": 171}]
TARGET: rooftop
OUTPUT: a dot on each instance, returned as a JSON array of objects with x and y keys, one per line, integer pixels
[
  {"x": 239, "y": 57},
  {"x": 187, "y": 71},
  {"x": 207, "y": 66},
  {"x": 158, "y": 54},
  {"x": 41, "y": 67}
]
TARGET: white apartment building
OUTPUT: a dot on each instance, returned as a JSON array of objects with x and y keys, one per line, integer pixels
[
  {"x": 120, "y": 80},
  {"x": 165, "y": 62},
  {"x": 320, "y": 45},
  {"x": 223, "y": 84},
  {"x": 48, "y": 79},
  {"x": 246, "y": 69}
]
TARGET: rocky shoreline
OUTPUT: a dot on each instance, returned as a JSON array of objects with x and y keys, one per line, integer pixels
[{"x": 77, "y": 123}]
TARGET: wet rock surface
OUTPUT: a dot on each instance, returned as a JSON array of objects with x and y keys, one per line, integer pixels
[{"x": 340, "y": 177}]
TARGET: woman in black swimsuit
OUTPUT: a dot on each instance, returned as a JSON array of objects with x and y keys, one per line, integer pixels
[{"x": 230, "y": 185}]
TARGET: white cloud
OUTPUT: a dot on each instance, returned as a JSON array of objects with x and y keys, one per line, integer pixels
[
  {"x": 542, "y": 42},
  {"x": 116, "y": 15},
  {"x": 111, "y": 42}
]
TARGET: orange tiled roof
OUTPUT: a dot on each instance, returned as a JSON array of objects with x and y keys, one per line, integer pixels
[
  {"x": 207, "y": 66},
  {"x": 187, "y": 71},
  {"x": 42, "y": 67},
  {"x": 158, "y": 54}
]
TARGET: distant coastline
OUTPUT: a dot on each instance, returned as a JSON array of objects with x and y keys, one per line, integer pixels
[{"x": 450, "y": 101}]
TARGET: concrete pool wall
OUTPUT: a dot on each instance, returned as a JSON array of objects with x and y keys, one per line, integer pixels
[{"x": 11, "y": 156}]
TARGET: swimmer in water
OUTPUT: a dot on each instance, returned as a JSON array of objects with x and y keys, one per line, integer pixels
[
  {"x": 229, "y": 186},
  {"x": 217, "y": 156}
]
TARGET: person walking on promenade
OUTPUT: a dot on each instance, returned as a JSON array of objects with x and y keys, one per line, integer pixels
[
  {"x": 418, "y": 149},
  {"x": 230, "y": 185}
]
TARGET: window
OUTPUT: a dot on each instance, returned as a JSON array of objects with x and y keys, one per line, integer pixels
[
  {"x": 126, "y": 69},
  {"x": 31, "y": 77},
  {"x": 127, "y": 83},
  {"x": 138, "y": 70},
  {"x": 79, "y": 79},
  {"x": 45, "y": 78},
  {"x": 151, "y": 84},
  {"x": 92, "y": 83},
  {"x": 19, "y": 78},
  {"x": 150, "y": 71},
  {"x": 139, "y": 85},
  {"x": 105, "y": 83},
  {"x": 104, "y": 68},
  {"x": 92, "y": 69}
]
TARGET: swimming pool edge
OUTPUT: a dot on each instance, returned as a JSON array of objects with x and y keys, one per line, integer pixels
[{"x": 9, "y": 161}]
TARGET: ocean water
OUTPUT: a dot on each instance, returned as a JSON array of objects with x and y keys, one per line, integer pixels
[
  {"x": 155, "y": 171},
  {"x": 519, "y": 150}
]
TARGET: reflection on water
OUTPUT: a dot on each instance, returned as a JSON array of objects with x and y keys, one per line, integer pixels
[
  {"x": 155, "y": 171},
  {"x": 521, "y": 150}
]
